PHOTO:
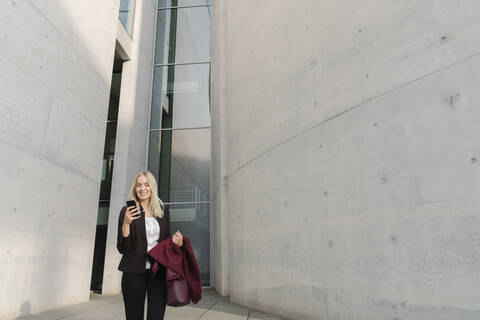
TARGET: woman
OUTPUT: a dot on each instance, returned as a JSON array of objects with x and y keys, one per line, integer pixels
[{"x": 140, "y": 228}]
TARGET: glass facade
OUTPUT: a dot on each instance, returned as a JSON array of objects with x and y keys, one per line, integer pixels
[
  {"x": 183, "y": 35},
  {"x": 126, "y": 14},
  {"x": 179, "y": 141},
  {"x": 187, "y": 89},
  {"x": 182, "y": 165}
]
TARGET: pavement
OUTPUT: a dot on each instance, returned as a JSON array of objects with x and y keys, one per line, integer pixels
[{"x": 110, "y": 307}]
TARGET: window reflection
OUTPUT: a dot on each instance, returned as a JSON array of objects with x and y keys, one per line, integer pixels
[
  {"x": 181, "y": 161},
  {"x": 183, "y": 35},
  {"x": 183, "y": 92},
  {"x": 126, "y": 14}
]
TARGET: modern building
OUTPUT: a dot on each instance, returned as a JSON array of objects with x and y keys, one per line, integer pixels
[{"x": 322, "y": 156}]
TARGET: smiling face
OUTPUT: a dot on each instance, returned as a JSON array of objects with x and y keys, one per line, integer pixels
[{"x": 142, "y": 188}]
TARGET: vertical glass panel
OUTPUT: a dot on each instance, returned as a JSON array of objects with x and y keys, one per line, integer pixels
[
  {"x": 183, "y": 35},
  {"x": 126, "y": 14},
  {"x": 162, "y": 43},
  {"x": 107, "y": 165},
  {"x": 100, "y": 247},
  {"x": 181, "y": 92},
  {"x": 115, "y": 91},
  {"x": 159, "y": 155},
  {"x": 183, "y": 167},
  {"x": 193, "y": 221},
  {"x": 181, "y": 3}
]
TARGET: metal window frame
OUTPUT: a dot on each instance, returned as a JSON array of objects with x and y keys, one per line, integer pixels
[
  {"x": 187, "y": 203},
  {"x": 174, "y": 129},
  {"x": 185, "y": 7},
  {"x": 155, "y": 65},
  {"x": 147, "y": 146}
]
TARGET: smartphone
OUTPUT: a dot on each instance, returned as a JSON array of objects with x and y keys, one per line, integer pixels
[{"x": 131, "y": 203}]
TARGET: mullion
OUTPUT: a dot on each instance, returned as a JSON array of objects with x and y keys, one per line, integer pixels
[
  {"x": 180, "y": 63},
  {"x": 183, "y": 7}
]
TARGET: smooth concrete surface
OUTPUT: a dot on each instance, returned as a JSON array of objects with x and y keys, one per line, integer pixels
[
  {"x": 219, "y": 198},
  {"x": 353, "y": 157},
  {"x": 110, "y": 307},
  {"x": 56, "y": 61},
  {"x": 132, "y": 129}
]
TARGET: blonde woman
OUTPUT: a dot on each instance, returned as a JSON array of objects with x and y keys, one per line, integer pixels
[{"x": 140, "y": 228}]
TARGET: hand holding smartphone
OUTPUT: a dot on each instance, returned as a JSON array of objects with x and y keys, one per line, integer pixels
[{"x": 132, "y": 212}]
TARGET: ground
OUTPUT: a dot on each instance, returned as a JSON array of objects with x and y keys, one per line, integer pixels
[{"x": 100, "y": 307}]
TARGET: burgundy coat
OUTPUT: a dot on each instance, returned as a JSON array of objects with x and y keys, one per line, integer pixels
[{"x": 182, "y": 261}]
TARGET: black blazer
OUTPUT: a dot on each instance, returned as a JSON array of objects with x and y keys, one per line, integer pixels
[{"x": 134, "y": 247}]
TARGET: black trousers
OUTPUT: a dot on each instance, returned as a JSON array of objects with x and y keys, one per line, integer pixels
[{"x": 134, "y": 288}]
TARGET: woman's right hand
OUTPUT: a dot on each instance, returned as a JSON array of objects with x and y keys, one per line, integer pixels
[{"x": 132, "y": 213}]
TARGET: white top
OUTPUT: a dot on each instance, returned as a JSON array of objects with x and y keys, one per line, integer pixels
[{"x": 152, "y": 229}]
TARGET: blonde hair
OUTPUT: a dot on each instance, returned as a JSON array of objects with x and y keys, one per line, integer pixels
[{"x": 156, "y": 205}]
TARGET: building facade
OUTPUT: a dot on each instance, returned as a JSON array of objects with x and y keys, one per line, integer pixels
[
  {"x": 321, "y": 155},
  {"x": 62, "y": 63},
  {"x": 346, "y": 174}
]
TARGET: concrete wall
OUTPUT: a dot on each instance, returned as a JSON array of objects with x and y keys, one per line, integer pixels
[
  {"x": 56, "y": 62},
  {"x": 132, "y": 128},
  {"x": 352, "y": 167},
  {"x": 219, "y": 175}
]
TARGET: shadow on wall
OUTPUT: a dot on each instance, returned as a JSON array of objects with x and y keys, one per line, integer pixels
[
  {"x": 25, "y": 308},
  {"x": 78, "y": 25}
]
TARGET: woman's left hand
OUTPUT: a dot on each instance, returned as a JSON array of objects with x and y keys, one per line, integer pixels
[{"x": 177, "y": 238}]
